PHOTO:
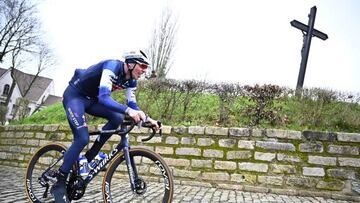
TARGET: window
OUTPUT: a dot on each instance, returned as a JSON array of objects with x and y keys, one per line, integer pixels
[{"x": 6, "y": 90}]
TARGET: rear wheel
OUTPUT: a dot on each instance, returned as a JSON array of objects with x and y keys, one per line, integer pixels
[
  {"x": 154, "y": 183},
  {"x": 40, "y": 173}
]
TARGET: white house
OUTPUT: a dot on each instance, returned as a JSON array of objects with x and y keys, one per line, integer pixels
[{"x": 40, "y": 93}]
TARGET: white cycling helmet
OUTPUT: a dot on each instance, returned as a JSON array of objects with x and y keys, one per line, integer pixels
[{"x": 138, "y": 57}]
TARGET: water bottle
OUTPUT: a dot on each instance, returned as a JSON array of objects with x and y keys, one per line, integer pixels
[
  {"x": 83, "y": 166},
  {"x": 97, "y": 160}
]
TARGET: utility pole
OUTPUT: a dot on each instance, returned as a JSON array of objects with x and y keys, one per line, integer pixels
[{"x": 308, "y": 32}]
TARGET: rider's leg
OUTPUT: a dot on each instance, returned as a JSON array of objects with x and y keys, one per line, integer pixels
[
  {"x": 74, "y": 105},
  {"x": 76, "y": 117},
  {"x": 114, "y": 120}
]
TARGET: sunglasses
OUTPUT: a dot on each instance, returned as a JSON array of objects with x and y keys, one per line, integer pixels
[{"x": 142, "y": 66}]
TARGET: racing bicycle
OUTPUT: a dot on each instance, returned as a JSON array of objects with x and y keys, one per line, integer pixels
[{"x": 133, "y": 174}]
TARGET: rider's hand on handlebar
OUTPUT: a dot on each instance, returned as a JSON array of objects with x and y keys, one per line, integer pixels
[
  {"x": 136, "y": 115},
  {"x": 154, "y": 123}
]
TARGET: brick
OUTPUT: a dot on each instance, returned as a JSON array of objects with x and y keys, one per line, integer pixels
[
  {"x": 257, "y": 167},
  {"x": 29, "y": 135},
  {"x": 15, "y": 149},
  {"x": 354, "y": 162},
  {"x": 221, "y": 176},
  {"x": 313, "y": 171},
  {"x": 21, "y": 141},
  {"x": 2, "y": 155},
  {"x": 196, "y": 130},
  {"x": 275, "y": 145},
  {"x": 271, "y": 180},
  {"x": 201, "y": 163},
  {"x": 67, "y": 128},
  {"x": 44, "y": 142},
  {"x": 20, "y": 134},
  {"x": 239, "y": 132},
  {"x": 205, "y": 141},
  {"x": 188, "y": 141},
  {"x": 264, "y": 156},
  {"x": 300, "y": 181},
  {"x": 38, "y": 127},
  {"x": 311, "y": 147},
  {"x": 245, "y": 144},
  {"x": 140, "y": 130},
  {"x": 155, "y": 139},
  {"x": 320, "y": 160},
  {"x": 341, "y": 173},
  {"x": 284, "y": 169},
  {"x": 57, "y": 136},
  {"x": 283, "y": 134},
  {"x": 335, "y": 185},
  {"x": 32, "y": 142},
  {"x": 257, "y": 132},
  {"x": 188, "y": 151},
  {"x": 180, "y": 129},
  {"x": 185, "y": 173},
  {"x": 337, "y": 149},
  {"x": 50, "y": 128},
  {"x": 164, "y": 150},
  {"x": 238, "y": 155},
  {"x": 319, "y": 136},
  {"x": 172, "y": 140},
  {"x": 213, "y": 153},
  {"x": 243, "y": 178},
  {"x": 177, "y": 162},
  {"x": 225, "y": 165},
  {"x": 216, "y": 131},
  {"x": 166, "y": 129},
  {"x": 348, "y": 137},
  {"x": 229, "y": 143},
  {"x": 288, "y": 158},
  {"x": 40, "y": 135},
  {"x": 141, "y": 146}
]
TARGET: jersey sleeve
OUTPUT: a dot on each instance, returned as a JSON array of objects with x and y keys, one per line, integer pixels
[{"x": 105, "y": 86}]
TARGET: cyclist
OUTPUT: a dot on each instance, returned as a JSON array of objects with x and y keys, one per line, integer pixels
[{"x": 89, "y": 92}]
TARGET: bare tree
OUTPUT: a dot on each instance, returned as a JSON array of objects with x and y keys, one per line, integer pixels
[
  {"x": 19, "y": 26},
  {"x": 162, "y": 44},
  {"x": 44, "y": 59},
  {"x": 20, "y": 39}
]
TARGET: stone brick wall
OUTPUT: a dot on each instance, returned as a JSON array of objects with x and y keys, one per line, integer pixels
[{"x": 261, "y": 160}]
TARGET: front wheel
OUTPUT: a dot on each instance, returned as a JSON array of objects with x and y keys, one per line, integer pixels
[
  {"x": 154, "y": 183},
  {"x": 40, "y": 173}
]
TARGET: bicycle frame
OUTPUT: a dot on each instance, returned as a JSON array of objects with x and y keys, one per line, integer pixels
[{"x": 122, "y": 146}]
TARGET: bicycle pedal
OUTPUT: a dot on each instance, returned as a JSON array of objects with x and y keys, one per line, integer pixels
[{"x": 50, "y": 176}]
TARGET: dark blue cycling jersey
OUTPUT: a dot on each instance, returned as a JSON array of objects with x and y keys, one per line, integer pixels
[{"x": 101, "y": 79}]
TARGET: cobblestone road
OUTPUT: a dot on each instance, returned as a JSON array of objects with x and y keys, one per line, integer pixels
[{"x": 12, "y": 184}]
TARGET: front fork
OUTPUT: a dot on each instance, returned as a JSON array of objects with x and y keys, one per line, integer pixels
[{"x": 130, "y": 163}]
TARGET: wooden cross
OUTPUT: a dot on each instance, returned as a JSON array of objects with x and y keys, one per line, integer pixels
[{"x": 308, "y": 33}]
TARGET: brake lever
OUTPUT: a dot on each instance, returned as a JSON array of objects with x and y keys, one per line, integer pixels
[
  {"x": 153, "y": 132},
  {"x": 139, "y": 124}
]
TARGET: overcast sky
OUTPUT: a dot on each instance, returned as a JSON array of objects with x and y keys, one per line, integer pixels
[{"x": 242, "y": 41}]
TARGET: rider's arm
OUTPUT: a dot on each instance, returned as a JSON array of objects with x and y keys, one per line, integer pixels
[{"x": 106, "y": 86}]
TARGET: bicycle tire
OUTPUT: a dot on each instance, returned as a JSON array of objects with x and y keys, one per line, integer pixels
[
  {"x": 150, "y": 166},
  {"x": 42, "y": 157}
]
